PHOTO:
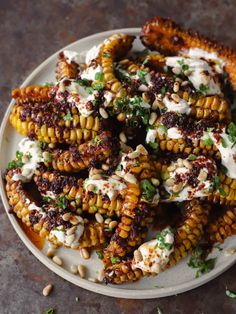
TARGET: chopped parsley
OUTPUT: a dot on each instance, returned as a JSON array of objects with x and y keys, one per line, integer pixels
[
  {"x": 47, "y": 199},
  {"x": 223, "y": 142},
  {"x": 68, "y": 116},
  {"x": 161, "y": 240},
  {"x": 163, "y": 91},
  {"x": 83, "y": 82},
  {"x": 43, "y": 145},
  {"x": 198, "y": 260},
  {"x": 19, "y": 155},
  {"x": 89, "y": 90},
  {"x": 106, "y": 55},
  {"x": 232, "y": 133},
  {"x": 217, "y": 185},
  {"x": 208, "y": 141},
  {"x": 122, "y": 75},
  {"x": 50, "y": 311},
  {"x": 99, "y": 76},
  {"x": 223, "y": 169},
  {"x": 62, "y": 202},
  {"x": 48, "y": 84},
  {"x": 184, "y": 67},
  {"x": 148, "y": 190},
  {"x": 203, "y": 89},
  {"x": 98, "y": 86},
  {"x": 142, "y": 76},
  {"x": 163, "y": 128},
  {"x": 192, "y": 157},
  {"x": 99, "y": 254},
  {"x": 115, "y": 259},
  {"x": 153, "y": 145},
  {"x": 230, "y": 293},
  {"x": 14, "y": 164}
]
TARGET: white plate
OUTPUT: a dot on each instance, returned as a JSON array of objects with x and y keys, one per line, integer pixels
[{"x": 173, "y": 281}]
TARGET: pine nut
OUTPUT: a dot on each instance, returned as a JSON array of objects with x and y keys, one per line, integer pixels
[
  {"x": 122, "y": 137},
  {"x": 138, "y": 256},
  {"x": 187, "y": 164},
  {"x": 70, "y": 239},
  {"x": 115, "y": 177},
  {"x": 187, "y": 72},
  {"x": 153, "y": 117},
  {"x": 230, "y": 251},
  {"x": 202, "y": 175},
  {"x": 170, "y": 182},
  {"x": 91, "y": 187},
  {"x": 74, "y": 269},
  {"x": 133, "y": 154},
  {"x": 84, "y": 253},
  {"x": 155, "y": 181},
  {"x": 184, "y": 83},
  {"x": 51, "y": 252},
  {"x": 205, "y": 80},
  {"x": 155, "y": 104},
  {"x": 171, "y": 167},
  {"x": 51, "y": 145},
  {"x": 176, "y": 71},
  {"x": 71, "y": 230},
  {"x": 145, "y": 97},
  {"x": 103, "y": 113},
  {"x": 130, "y": 178},
  {"x": 176, "y": 87},
  {"x": 99, "y": 218},
  {"x": 105, "y": 167},
  {"x": 113, "y": 224},
  {"x": 74, "y": 220},
  {"x": 175, "y": 97},
  {"x": 107, "y": 221},
  {"x": 142, "y": 150},
  {"x": 24, "y": 159},
  {"x": 125, "y": 148},
  {"x": 47, "y": 290},
  {"x": 46, "y": 156},
  {"x": 121, "y": 117},
  {"x": 177, "y": 187},
  {"x": 180, "y": 162},
  {"x": 96, "y": 177},
  {"x": 82, "y": 270},
  {"x": 66, "y": 216},
  {"x": 75, "y": 245},
  {"x": 52, "y": 245},
  {"x": 56, "y": 259}
]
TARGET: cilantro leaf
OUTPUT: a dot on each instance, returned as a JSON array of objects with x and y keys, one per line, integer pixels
[
  {"x": 203, "y": 89},
  {"x": 142, "y": 76},
  {"x": 62, "y": 202},
  {"x": 198, "y": 260},
  {"x": 99, "y": 76},
  {"x": 230, "y": 293},
  {"x": 115, "y": 259},
  {"x": 148, "y": 190},
  {"x": 192, "y": 157},
  {"x": 68, "y": 116}
]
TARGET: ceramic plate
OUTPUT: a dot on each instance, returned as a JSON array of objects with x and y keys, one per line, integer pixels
[{"x": 173, "y": 281}]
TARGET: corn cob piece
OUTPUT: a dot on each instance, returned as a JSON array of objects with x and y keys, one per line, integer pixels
[
  {"x": 166, "y": 36},
  {"x": 32, "y": 94},
  {"x": 114, "y": 48},
  {"x": 66, "y": 69},
  {"x": 222, "y": 191},
  {"x": 49, "y": 218},
  {"x": 187, "y": 236},
  {"x": 223, "y": 227},
  {"x": 36, "y": 125},
  {"x": 81, "y": 157}
]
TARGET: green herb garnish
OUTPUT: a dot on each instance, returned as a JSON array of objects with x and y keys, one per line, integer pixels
[
  {"x": 19, "y": 155},
  {"x": 203, "y": 89},
  {"x": 161, "y": 240},
  {"x": 98, "y": 86},
  {"x": 163, "y": 90},
  {"x": 223, "y": 169},
  {"x": 115, "y": 259},
  {"x": 153, "y": 145},
  {"x": 230, "y": 293},
  {"x": 223, "y": 142},
  {"x": 142, "y": 76},
  {"x": 106, "y": 55},
  {"x": 163, "y": 128},
  {"x": 218, "y": 247},
  {"x": 50, "y": 311},
  {"x": 99, "y": 76},
  {"x": 68, "y": 116},
  {"x": 192, "y": 157},
  {"x": 62, "y": 202},
  {"x": 89, "y": 90},
  {"x": 48, "y": 84},
  {"x": 217, "y": 185},
  {"x": 208, "y": 141},
  {"x": 14, "y": 164},
  {"x": 232, "y": 133},
  {"x": 184, "y": 67},
  {"x": 83, "y": 82},
  {"x": 47, "y": 199},
  {"x": 198, "y": 260},
  {"x": 148, "y": 190},
  {"x": 99, "y": 254}
]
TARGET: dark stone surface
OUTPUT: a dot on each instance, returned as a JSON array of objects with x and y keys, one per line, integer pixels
[{"x": 30, "y": 31}]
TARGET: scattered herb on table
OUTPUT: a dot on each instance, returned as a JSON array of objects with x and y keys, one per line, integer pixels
[
  {"x": 230, "y": 294},
  {"x": 199, "y": 261},
  {"x": 50, "y": 311}
]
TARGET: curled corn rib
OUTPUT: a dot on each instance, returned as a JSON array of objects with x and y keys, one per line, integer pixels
[
  {"x": 164, "y": 35},
  {"x": 43, "y": 221},
  {"x": 81, "y": 157},
  {"x": 32, "y": 94},
  {"x": 223, "y": 227},
  {"x": 66, "y": 69},
  {"x": 78, "y": 130},
  {"x": 187, "y": 236},
  {"x": 113, "y": 49}
]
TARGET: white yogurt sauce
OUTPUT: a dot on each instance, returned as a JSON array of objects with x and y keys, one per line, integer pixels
[
  {"x": 107, "y": 186},
  {"x": 92, "y": 54},
  {"x": 151, "y": 136},
  {"x": 182, "y": 106},
  {"x": 71, "y": 56},
  {"x": 33, "y": 206},
  {"x": 154, "y": 255},
  {"x": 90, "y": 72},
  {"x": 108, "y": 98},
  {"x": 200, "y": 73},
  {"x": 61, "y": 235},
  {"x": 228, "y": 153},
  {"x": 32, "y": 156}
]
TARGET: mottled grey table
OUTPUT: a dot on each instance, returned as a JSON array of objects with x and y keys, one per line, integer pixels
[{"x": 30, "y": 31}]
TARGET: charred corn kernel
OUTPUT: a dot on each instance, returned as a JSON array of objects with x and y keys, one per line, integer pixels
[
  {"x": 65, "y": 69},
  {"x": 32, "y": 94}
]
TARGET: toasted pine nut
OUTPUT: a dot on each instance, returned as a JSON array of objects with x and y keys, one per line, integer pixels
[
  {"x": 74, "y": 269},
  {"x": 121, "y": 117},
  {"x": 176, "y": 87},
  {"x": 99, "y": 218},
  {"x": 130, "y": 178},
  {"x": 175, "y": 97},
  {"x": 56, "y": 259},
  {"x": 176, "y": 70},
  {"x": 47, "y": 290},
  {"x": 187, "y": 164},
  {"x": 66, "y": 216},
  {"x": 70, "y": 238},
  {"x": 113, "y": 224},
  {"x": 82, "y": 270},
  {"x": 107, "y": 221},
  {"x": 122, "y": 137},
  {"x": 103, "y": 113},
  {"x": 138, "y": 256},
  {"x": 153, "y": 117},
  {"x": 96, "y": 177},
  {"x": 84, "y": 253},
  {"x": 142, "y": 150},
  {"x": 155, "y": 181},
  {"x": 202, "y": 175},
  {"x": 133, "y": 155},
  {"x": 105, "y": 167},
  {"x": 51, "y": 252},
  {"x": 71, "y": 230},
  {"x": 101, "y": 275},
  {"x": 93, "y": 279},
  {"x": 177, "y": 187}
]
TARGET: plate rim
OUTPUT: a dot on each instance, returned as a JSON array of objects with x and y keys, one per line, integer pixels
[{"x": 60, "y": 271}]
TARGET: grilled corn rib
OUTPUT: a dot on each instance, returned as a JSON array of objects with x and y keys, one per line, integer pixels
[
  {"x": 164, "y": 35},
  {"x": 187, "y": 236},
  {"x": 33, "y": 120},
  {"x": 223, "y": 227},
  {"x": 44, "y": 220},
  {"x": 197, "y": 180},
  {"x": 114, "y": 48},
  {"x": 32, "y": 94},
  {"x": 81, "y": 157},
  {"x": 65, "y": 68}
]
